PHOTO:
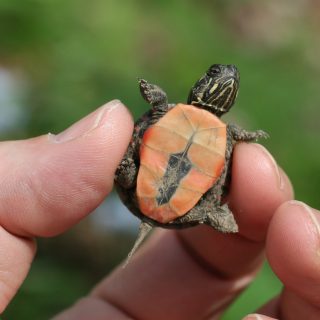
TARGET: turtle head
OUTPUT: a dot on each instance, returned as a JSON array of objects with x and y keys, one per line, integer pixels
[{"x": 216, "y": 90}]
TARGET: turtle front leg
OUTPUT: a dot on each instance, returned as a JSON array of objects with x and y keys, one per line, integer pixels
[
  {"x": 154, "y": 95},
  {"x": 127, "y": 170},
  {"x": 221, "y": 218},
  {"x": 239, "y": 134},
  {"x": 126, "y": 173}
]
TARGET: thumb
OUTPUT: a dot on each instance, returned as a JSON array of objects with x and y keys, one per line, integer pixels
[{"x": 50, "y": 182}]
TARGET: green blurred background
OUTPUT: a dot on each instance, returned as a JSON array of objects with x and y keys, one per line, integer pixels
[{"x": 59, "y": 60}]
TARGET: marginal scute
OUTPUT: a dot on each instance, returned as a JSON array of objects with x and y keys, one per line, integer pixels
[{"x": 196, "y": 136}]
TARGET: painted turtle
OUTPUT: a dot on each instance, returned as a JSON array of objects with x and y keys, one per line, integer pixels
[{"x": 176, "y": 168}]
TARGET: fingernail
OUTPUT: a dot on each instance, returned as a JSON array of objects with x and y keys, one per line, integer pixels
[
  {"x": 279, "y": 177},
  {"x": 310, "y": 212},
  {"x": 252, "y": 317},
  {"x": 87, "y": 124}
]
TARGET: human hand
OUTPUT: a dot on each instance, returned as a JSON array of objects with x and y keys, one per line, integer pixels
[
  {"x": 197, "y": 272},
  {"x": 185, "y": 274},
  {"x": 51, "y": 182}
]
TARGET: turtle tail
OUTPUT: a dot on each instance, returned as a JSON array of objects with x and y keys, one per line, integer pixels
[{"x": 144, "y": 230}]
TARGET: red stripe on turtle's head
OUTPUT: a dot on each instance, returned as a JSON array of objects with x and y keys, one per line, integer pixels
[{"x": 216, "y": 90}]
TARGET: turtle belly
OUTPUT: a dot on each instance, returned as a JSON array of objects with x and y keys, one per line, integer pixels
[{"x": 181, "y": 157}]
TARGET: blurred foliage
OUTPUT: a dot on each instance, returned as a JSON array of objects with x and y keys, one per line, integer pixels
[{"x": 75, "y": 55}]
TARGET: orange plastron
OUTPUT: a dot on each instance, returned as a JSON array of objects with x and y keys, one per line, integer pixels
[{"x": 181, "y": 157}]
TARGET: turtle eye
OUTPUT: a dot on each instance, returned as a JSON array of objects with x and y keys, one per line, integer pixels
[{"x": 214, "y": 70}]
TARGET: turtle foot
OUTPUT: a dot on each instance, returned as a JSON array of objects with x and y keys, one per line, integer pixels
[
  {"x": 240, "y": 134},
  {"x": 222, "y": 220},
  {"x": 153, "y": 94},
  {"x": 126, "y": 173},
  {"x": 261, "y": 134}
]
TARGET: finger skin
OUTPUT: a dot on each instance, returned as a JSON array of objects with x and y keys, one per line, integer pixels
[
  {"x": 271, "y": 308},
  {"x": 91, "y": 308},
  {"x": 294, "y": 255},
  {"x": 16, "y": 255},
  {"x": 49, "y": 183},
  {"x": 196, "y": 272},
  {"x": 258, "y": 188},
  {"x": 257, "y": 317},
  {"x": 293, "y": 306}
]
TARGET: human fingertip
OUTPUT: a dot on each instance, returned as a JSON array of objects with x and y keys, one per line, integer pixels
[
  {"x": 292, "y": 247},
  {"x": 272, "y": 161},
  {"x": 251, "y": 317},
  {"x": 256, "y": 317},
  {"x": 314, "y": 218},
  {"x": 79, "y": 163},
  {"x": 84, "y": 126},
  {"x": 260, "y": 161},
  {"x": 258, "y": 185},
  {"x": 282, "y": 180},
  {"x": 286, "y": 184},
  {"x": 300, "y": 214}
]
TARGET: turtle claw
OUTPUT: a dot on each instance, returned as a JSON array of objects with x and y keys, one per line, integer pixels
[{"x": 240, "y": 134}]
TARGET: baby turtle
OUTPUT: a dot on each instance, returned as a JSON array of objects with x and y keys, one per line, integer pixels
[{"x": 177, "y": 167}]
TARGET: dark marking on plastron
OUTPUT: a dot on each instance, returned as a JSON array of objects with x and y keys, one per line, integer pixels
[{"x": 178, "y": 167}]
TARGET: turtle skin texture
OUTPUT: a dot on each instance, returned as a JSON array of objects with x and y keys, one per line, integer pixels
[{"x": 213, "y": 95}]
